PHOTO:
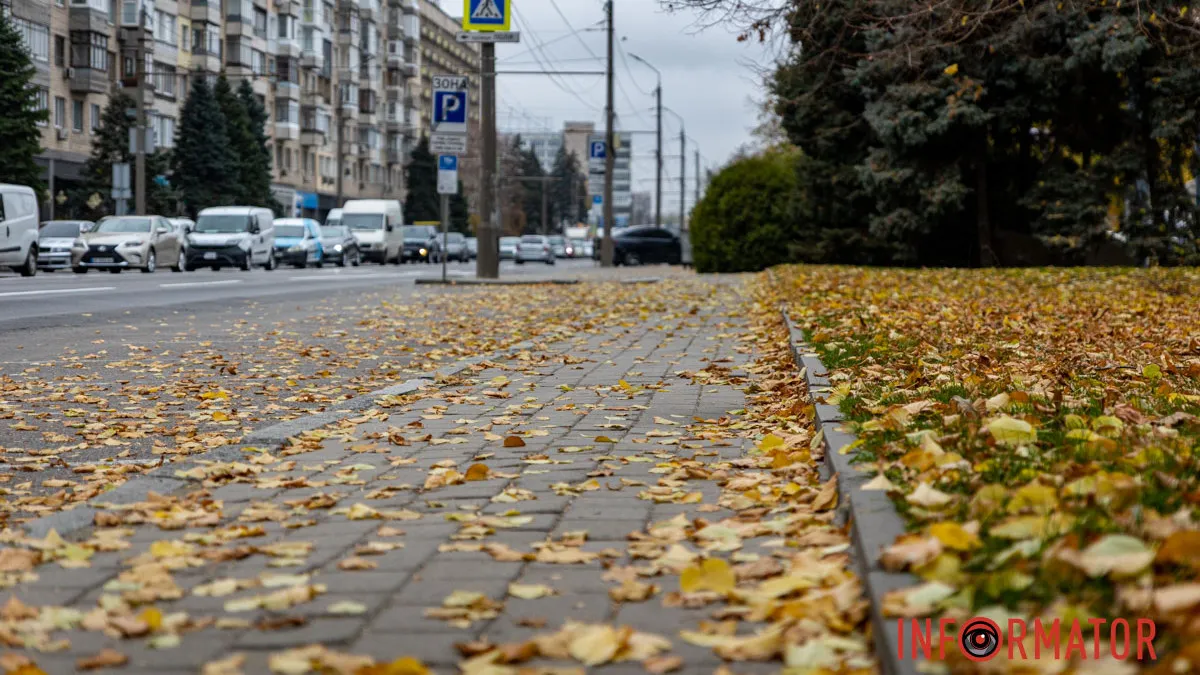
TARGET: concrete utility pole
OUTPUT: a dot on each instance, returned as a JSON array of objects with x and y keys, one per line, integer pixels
[
  {"x": 140, "y": 132},
  {"x": 610, "y": 151},
  {"x": 697, "y": 178},
  {"x": 545, "y": 209},
  {"x": 487, "y": 265}
]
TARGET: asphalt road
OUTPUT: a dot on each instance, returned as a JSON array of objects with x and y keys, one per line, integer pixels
[{"x": 102, "y": 375}]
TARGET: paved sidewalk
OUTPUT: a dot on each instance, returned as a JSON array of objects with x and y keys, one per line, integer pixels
[{"x": 572, "y": 485}]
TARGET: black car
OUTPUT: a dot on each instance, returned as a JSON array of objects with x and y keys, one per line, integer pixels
[
  {"x": 643, "y": 245},
  {"x": 339, "y": 245},
  {"x": 418, "y": 243}
]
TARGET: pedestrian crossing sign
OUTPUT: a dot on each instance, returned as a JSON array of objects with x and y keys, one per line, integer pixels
[{"x": 487, "y": 15}]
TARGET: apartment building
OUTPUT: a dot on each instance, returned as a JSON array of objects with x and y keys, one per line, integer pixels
[{"x": 316, "y": 66}]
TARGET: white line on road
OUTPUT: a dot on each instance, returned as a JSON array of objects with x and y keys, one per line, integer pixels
[
  {"x": 58, "y": 291},
  {"x": 186, "y": 284},
  {"x": 348, "y": 277}
]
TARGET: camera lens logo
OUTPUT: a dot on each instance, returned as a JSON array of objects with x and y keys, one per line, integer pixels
[{"x": 980, "y": 639}]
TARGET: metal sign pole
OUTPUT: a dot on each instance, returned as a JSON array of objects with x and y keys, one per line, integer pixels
[{"x": 445, "y": 231}]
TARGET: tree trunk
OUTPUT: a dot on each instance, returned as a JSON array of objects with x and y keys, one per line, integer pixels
[{"x": 983, "y": 222}]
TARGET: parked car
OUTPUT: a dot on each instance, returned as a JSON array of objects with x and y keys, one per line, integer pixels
[
  {"x": 453, "y": 246},
  {"x": 508, "y": 247},
  {"x": 377, "y": 224},
  {"x": 298, "y": 242},
  {"x": 472, "y": 248},
  {"x": 124, "y": 242},
  {"x": 638, "y": 245},
  {"x": 19, "y": 229},
  {"x": 578, "y": 248},
  {"x": 535, "y": 248},
  {"x": 185, "y": 227},
  {"x": 59, "y": 244},
  {"x": 418, "y": 242},
  {"x": 339, "y": 245},
  {"x": 233, "y": 236},
  {"x": 558, "y": 244}
]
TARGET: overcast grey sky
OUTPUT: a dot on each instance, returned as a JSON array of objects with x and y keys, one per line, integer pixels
[{"x": 708, "y": 78}]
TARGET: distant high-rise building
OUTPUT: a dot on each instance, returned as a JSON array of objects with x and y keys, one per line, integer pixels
[
  {"x": 642, "y": 214},
  {"x": 622, "y": 175}
]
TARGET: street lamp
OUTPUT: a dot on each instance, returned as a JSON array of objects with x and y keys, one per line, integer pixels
[
  {"x": 658, "y": 153},
  {"x": 682, "y": 171}
]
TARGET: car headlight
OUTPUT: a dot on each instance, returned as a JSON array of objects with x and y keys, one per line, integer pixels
[
  {"x": 78, "y": 243},
  {"x": 338, "y": 248},
  {"x": 296, "y": 249},
  {"x": 236, "y": 241},
  {"x": 423, "y": 251},
  {"x": 133, "y": 242}
]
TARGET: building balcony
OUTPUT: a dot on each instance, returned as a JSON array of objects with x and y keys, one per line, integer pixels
[
  {"x": 287, "y": 131},
  {"x": 203, "y": 11},
  {"x": 288, "y": 7},
  {"x": 410, "y": 6},
  {"x": 288, "y": 48},
  {"x": 312, "y": 59},
  {"x": 411, "y": 69},
  {"x": 90, "y": 19},
  {"x": 287, "y": 90},
  {"x": 394, "y": 156},
  {"x": 86, "y": 80}
]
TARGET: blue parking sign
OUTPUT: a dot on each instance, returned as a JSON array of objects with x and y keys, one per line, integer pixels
[
  {"x": 450, "y": 107},
  {"x": 597, "y": 150},
  {"x": 447, "y": 162}
]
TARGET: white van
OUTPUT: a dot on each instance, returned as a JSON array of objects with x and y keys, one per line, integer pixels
[
  {"x": 334, "y": 218},
  {"x": 376, "y": 224},
  {"x": 233, "y": 236},
  {"x": 18, "y": 229}
]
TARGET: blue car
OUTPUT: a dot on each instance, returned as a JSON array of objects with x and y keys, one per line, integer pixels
[{"x": 298, "y": 242}]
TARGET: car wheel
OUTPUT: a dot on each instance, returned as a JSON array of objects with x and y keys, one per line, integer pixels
[
  {"x": 180, "y": 265},
  {"x": 79, "y": 270},
  {"x": 114, "y": 270},
  {"x": 247, "y": 263},
  {"x": 29, "y": 268},
  {"x": 631, "y": 259},
  {"x": 356, "y": 260},
  {"x": 216, "y": 268},
  {"x": 272, "y": 263}
]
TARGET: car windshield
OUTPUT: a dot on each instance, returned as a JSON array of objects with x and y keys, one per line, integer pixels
[
  {"x": 60, "y": 229},
  {"x": 556, "y": 240},
  {"x": 333, "y": 221},
  {"x": 418, "y": 232},
  {"x": 455, "y": 237},
  {"x": 360, "y": 222},
  {"x": 531, "y": 239},
  {"x": 288, "y": 230},
  {"x": 222, "y": 224},
  {"x": 333, "y": 231},
  {"x": 577, "y": 242},
  {"x": 116, "y": 225}
]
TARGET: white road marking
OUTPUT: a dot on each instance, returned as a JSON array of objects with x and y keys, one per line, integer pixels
[
  {"x": 58, "y": 291},
  {"x": 186, "y": 284},
  {"x": 350, "y": 277}
]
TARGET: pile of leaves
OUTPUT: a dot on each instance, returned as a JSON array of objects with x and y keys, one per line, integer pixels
[{"x": 1037, "y": 428}]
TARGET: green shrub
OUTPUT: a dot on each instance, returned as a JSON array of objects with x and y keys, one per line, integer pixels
[{"x": 742, "y": 224}]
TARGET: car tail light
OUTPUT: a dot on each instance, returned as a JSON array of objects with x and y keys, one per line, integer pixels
[{"x": 545, "y": 249}]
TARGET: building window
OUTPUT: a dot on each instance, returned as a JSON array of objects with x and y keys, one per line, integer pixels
[
  {"x": 60, "y": 112},
  {"x": 95, "y": 118},
  {"x": 185, "y": 37},
  {"x": 77, "y": 116},
  {"x": 43, "y": 103},
  {"x": 258, "y": 62},
  {"x": 260, "y": 23},
  {"x": 287, "y": 112},
  {"x": 60, "y": 46},
  {"x": 165, "y": 28},
  {"x": 89, "y": 50},
  {"x": 164, "y": 130},
  {"x": 164, "y": 80},
  {"x": 36, "y": 37}
]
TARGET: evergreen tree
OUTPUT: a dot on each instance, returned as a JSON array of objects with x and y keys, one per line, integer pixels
[
  {"x": 421, "y": 203},
  {"x": 20, "y": 137},
  {"x": 460, "y": 212},
  {"x": 531, "y": 200},
  {"x": 256, "y": 159},
  {"x": 565, "y": 193},
  {"x": 111, "y": 145},
  {"x": 205, "y": 168},
  {"x": 241, "y": 140}
]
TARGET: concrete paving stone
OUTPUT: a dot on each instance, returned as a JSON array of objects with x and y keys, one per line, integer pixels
[
  {"x": 652, "y": 617},
  {"x": 340, "y": 581},
  {"x": 432, "y": 526},
  {"x": 481, "y": 490},
  {"x": 567, "y": 579},
  {"x": 412, "y": 619},
  {"x": 242, "y": 492},
  {"x": 432, "y": 593},
  {"x": 328, "y": 632},
  {"x": 196, "y": 650},
  {"x": 551, "y": 612},
  {"x": 586, "y": 508},
  {"x": 432, "y": 649},
  {"x": 600, "y": 530},
  {"x": 51, "y": 578},
  {"x": 46, "y": 597},
  {"x": 407, "y": 559},
  {"x": 438, "y": 569}
]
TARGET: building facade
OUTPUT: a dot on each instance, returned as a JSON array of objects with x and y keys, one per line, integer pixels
[
  {"x": 544, "y": 144},
  {"x": 316, "y": 65}
]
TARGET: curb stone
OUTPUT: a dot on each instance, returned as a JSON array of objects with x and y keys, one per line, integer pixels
[
  {"x": 434, "y": 281},
  {"x": 874, "y": 522},
  {"x": 162, "y": 479}
]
